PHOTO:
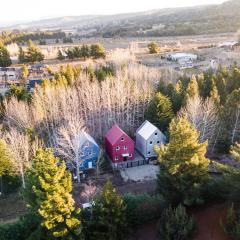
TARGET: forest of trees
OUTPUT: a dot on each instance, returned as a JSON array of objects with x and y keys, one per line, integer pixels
[
  {"x": 200, "y": 115},
  {"x": 8, "y": 37}
]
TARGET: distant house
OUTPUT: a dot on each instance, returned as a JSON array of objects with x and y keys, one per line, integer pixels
[
  {"x": 119, "y": 146},
  {"x": 10, "y": 74},
  {"x": 147, "y": 136},
  {"x": 89, "y": 151},
  {"x": 182, "y": 57}
]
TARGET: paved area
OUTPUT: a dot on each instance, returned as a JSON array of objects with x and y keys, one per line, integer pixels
[{"x": 140, "y": 174}]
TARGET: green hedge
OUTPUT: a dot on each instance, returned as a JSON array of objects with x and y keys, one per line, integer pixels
[{"x": 143, "y": 208}]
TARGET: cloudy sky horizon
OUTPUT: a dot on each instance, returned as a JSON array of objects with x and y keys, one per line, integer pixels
[{"x": 30, "y": 10}]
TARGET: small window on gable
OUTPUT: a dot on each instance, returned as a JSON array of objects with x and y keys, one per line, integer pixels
[
  {"x": 155, "y": 133},
  {"x": 122, "y": 139},
  {"x": 149, "y": 153},
  {"x": 116, "y": 158},
  {"x": 125, "y": 147},
  {"x": 130, "y": 155},
  {"x": 151, "y": 142},
  {"x": 117, "y": 148}
]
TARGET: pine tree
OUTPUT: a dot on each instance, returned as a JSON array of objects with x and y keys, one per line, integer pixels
[
  {"x": 5, "y": 158},
  {"x": 5, "y": 60},
  {"x": 25, "y": 74},
  {"x": 235, "y": 151},
  {"x": 5, "y": 162},
  {"x": 48, "y": 194},
  {"x": 85, "y": 51},
  {"x": 232, "y": 116},
  {"x": 60, "y": 55},
  {"x": 183, "y": 166},
  {"x": 109, "y": 215},
  {"x": 175, "y": 224},
  {"x": 214, "y": 94},
  {"x": 21, "y": 56},
  {"x": 192, "y": 89},
  {"x": 160, "y": 111}
]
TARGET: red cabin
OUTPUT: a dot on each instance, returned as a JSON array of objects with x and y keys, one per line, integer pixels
[{"x": 119, "y": 146}]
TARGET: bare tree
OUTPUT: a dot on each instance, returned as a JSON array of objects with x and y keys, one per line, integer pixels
[
  {"x": 68, "y": 143},
  {"x": 203, "y": 114},
  {"x": 22, "y": 151}
]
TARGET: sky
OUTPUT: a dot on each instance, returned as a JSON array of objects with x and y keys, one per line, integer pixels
[{"x": 13, "y": 11}]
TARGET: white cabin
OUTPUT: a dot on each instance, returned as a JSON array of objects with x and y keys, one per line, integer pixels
[{"x": 147, "y": 136}]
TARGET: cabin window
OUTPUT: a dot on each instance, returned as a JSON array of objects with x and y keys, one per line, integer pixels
[
  {"x": 122, "y": 139},
  {"x": 155, "y": 134},
  {"x": 117, "y": 148},
  {"x": 130, "y": 155},
  {"x": 158, "y": 142},
  {"x": 125, "y": 147},
  {"x": 149, "y": 153},
  {"x": 116, "y": 158},
  {"x": 151, "y": 142}
]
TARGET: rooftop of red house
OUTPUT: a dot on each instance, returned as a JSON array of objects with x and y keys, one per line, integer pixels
[{"x": 114, "y": 134}]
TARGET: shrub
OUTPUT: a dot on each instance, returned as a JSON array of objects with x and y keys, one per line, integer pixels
[
  {"x": 142, "y": 208},
  {"x": 10, "y": 184},
  {"x": 175, "y": 224},
  {"x": 23, "y": 229},
  {"x": 232, "y": 227}
]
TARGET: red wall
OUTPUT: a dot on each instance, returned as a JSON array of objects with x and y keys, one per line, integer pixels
[{"x": 113, "y": 153}]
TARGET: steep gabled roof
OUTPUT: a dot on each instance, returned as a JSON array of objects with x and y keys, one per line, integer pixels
[
  {"x": 114, "y": 134},
  {"x": 147, "y": 129},
  {"x": 83, "y": 137}
]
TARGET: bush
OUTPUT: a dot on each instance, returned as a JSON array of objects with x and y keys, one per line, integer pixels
[
  {"x": 175, "y": 224},
  {"x": 26, "y": 228},
  {"x": 232, "y": 227},
  {"x": 142, "y": 208},
  {"x": 10, "y": 184}
]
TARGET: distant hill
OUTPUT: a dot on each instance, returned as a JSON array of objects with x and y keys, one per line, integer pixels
[{"x": 165, "y": 22}]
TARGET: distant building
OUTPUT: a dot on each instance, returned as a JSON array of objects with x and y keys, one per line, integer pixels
[
  {"x": 229, "y": 45},
  {"x": 147, "y": 136},
  {"x": 119, "y": 146},
  {"x": 182, "y": 57},
  {"x": 10, "y": 74}
]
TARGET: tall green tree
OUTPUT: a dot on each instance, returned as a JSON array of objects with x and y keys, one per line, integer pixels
[
  {"x": 192, "y": 89},
  {"x": 175, "y": 224},
  {"x": 60, "y": 55},
  {"x": 85, "y": 51},
  {"x": 97, "y": 51},
  {"x": 5, "y": 60},
  {"x": 33, "y": 53},
  {"x": 109, "y": 216},
  {"x": 183, "y": 165},
  {"x": 24, "y": 77},
  {"x": 232, "y": 116},
  {"x": 5, "y": 162},
  {"x": 160, "y": 111},
  {"x": 21, "y": 56},
  {"x": 48, "y": 194}
]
